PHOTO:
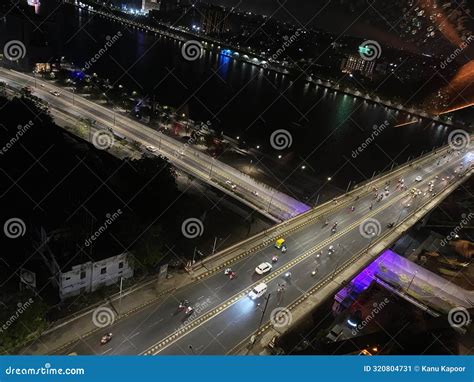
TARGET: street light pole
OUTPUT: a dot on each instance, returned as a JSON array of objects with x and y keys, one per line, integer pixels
[
  {"x": 264, "y": 310},
  {"x": 120, "y": 300},
  {"x": 370, "y": 243},
  {"x": 411, "y": 281},
  {"x": 399, "y": 215},
  {"x": 214, "y": 246},
  {"x": 270, "y": 202}
]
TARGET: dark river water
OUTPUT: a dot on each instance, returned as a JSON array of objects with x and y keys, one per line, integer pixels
[{"x": 243, "y": 100}]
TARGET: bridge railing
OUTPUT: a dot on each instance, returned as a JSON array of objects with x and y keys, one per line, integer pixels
[
  {"x": 358, "y": 259},
  {"x": 266, "y": 237}
]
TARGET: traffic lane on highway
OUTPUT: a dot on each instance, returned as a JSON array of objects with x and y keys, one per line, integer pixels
[
  {"x": 226, "y": 330},
  {"x": 97, "y": 111},
  {"x": 217, "y": 288},
  {"x": 132, "y": 334},
  {"x": 287, "y": 203},
  {"x": 222, "y": 333}
]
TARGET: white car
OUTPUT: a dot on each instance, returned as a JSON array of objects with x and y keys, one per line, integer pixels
[
  {"x": 418, "y": 178},
  {"x": 152, "y": 149},
  {"x": 230, "y": 184},
  {"x": 258, "y": 291},
  {"x": 55, "y": 93},
  {"x": 263, "y": 268}
]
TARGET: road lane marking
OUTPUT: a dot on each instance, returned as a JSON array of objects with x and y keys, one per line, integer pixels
[
  {"x": 199, "y": 321},
  {"x": 311, "y": 220},
  {"x": 341, "y": 206},
  {"x": 330, "y": 277},
  {"x": 156, "y": 322}
]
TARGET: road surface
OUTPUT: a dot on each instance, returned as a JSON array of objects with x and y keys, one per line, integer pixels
[
  {"x": 259, "y": 196},
  {"x": 224, "y": 315}
]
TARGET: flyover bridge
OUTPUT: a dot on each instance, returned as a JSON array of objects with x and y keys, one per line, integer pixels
[
  {"x": 225, "y": 318},
  {"x": 68, "y": 106}
]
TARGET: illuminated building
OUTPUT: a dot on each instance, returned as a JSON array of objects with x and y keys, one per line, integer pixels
[
  {"x": 355, "y": 63},
  {"x": 215, "y": 20}
]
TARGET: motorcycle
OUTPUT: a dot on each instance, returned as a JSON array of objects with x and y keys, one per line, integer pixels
[
  {"x": 232, "y": 275},
  {"x": 105, "y": 338},
  {"x": 274, "y": 259},
  {"x": 189, "y": 310},
  {"x": 227, "y": 271},
  {"x": 283, "y": 249},
  {"x": 331, "y": 250},
  {"x": 183, "y": 304}
]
